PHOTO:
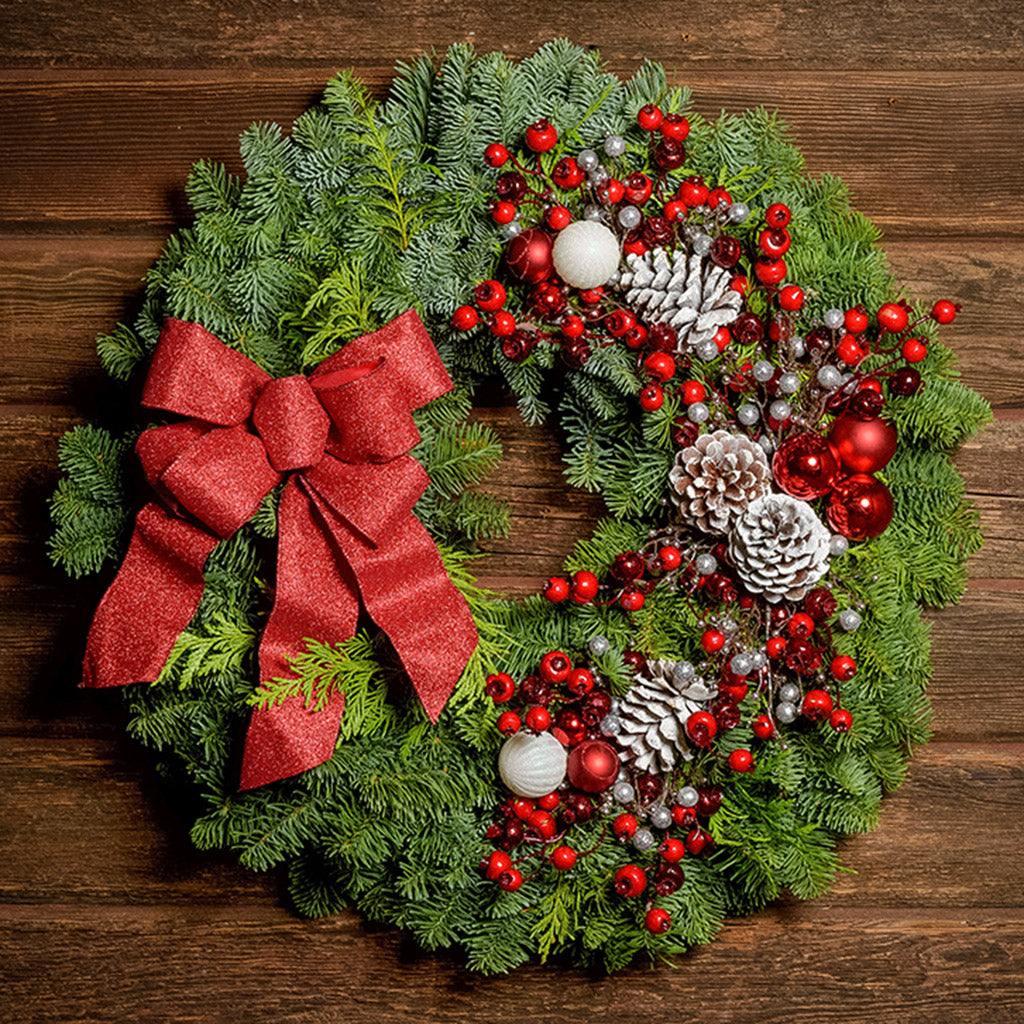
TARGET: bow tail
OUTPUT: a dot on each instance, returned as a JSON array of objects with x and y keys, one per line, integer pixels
[
  {"x": 152, "y": 599},
  {"x": 315, "y": 597}
]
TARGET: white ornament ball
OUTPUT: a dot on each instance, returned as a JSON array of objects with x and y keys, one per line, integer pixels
[
  {"x": 532, "y": 764},
  {"x": 585, "y": 254}
]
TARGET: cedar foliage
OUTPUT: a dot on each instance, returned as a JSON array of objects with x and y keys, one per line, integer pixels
[{"x": 361, "y": 211}]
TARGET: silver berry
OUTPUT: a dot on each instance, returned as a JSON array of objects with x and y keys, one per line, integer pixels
[
  {"x": 643, "y": 839},
  {"x": 789, "y": 384},
  {"x": 838, "y": 545},
  {"x": 742, "y": 664},
  {"x": 683, "y": 673},
  {"x": 748, "y": 414},
  {"x": 766, "y": 443},
  {"x": 598, "y": 645},
  {"x": 780, "y": 410},
  {"x": 593, "y": 212},
  {"x": 833, "y": 318},
  {"x": 706, "y": 564},
  {"x": 610, "y": 725},
  {"x": 829, "y": 377},
  {"x": 701, "y": 244},
  {"x": 707, "y": 350},
  {"x": 661, "y": 817},
  {"x": 615, "y": 145},
  {"x": 510, "y": 230},
  {"x": 687, "y": 797},
  {"x": 849, "y": 619},
  {"x": 698, "y": 412},
  {"x": 785, "y": 712},
  {"x": 629, "y": 217},
  {"x": 797, "y": 347},
  {"x": 763, "y": 370},
  {"x": 588, "y": 160},
  {"x": 738, "y": 212},
  {"x": 623, "y": 792},
  {"x": 789, "y": 693}
]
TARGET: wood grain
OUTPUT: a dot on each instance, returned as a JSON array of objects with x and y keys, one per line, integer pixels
[{"x": 106, "y": 912}]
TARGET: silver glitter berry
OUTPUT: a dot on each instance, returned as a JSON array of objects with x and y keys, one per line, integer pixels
[
  {"x": 742, "y": 664},
  {"x": 623, "y": 792},
  {"x": 598, "y": 645},
  {"x": 701, "y": 244},
  {"x": 789, "y": 693},
  {"x": 763, "y": 370},
  {"x": 739, "y": 212},
  {"x": 838, "y": 545},
  {"x": 593, "y": 212},
  {"x": 748, "y": 414},
  {"x": 610, "y": 725},
  {"x": 698, "y": 412},
  {"x": 849, "y": 619},
  {"x": 683, "y": 673},
  {"x": 829, "y": 377},
  {"x": 759, "y": 659},
  {"x": 599, "y": 175},
  {"x": 780, "y": 410},
  {"x": 615, "y": 145},
  {"x": 797, "y": 347},
  {"x": 785, "y": 712},
  {"x": 661, "y": 817},
  {"x": 833, "y": 318},
  {"x": 789, "y": 383},
  {"x": 706, "y": 564},
  {"x": 510, "y": 230},
  {"x": 766, "y": 443},
  {"x": 629, "y": 217},
  {"x": 588, "y": 160},
  {"x": 707, "y": 350},
  {"x": 643, "y": 839},
  {"x": 687, "y": 797}
]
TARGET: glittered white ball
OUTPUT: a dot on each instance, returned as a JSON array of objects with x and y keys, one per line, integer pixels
[
  {"x": 585, "y": 254},
  {"x": 532, "y": 765}
]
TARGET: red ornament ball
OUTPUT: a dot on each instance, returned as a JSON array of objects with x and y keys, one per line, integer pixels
[
  {"x": 503, "y": 213},
  {"x": 496, "y": 155},
  {"x": 558, "y": 217},
  {"x": 657, "y": 921},
  {"x": 914, "y": 350},
  {"x": 500, "y": 688},
  {"x": 764, "y": 727},
  {"x": 675, "y": 126},
  {"x": 497, "y": 864},
  {"x": 672, "y": 850},
  {"x": 712, "y": 640},
  {"x": 777, "y": 215},
  {"x": 660, "y": 365},
  {"x": 791, "y": 298},
  {"x": 490, "y": 295},
  {"x": 555, "y": 667},
  {"x": 580, "y": 681},
  {"x": 863, "y": 446},
  {"x": 843, "y": 667},
  {"x": 508, "y": 723},
  {"x": 905, "y": 381},
  {"x": 624, "y": 826},
  {"x": 502, "y": 324},
  {"x": 632, "y": 599},
  {"x": 650, "y": 117},
  {"x": 669, "y": 557},
  {"x": 701, "y": 728},
  {"x": 593, "y": 766},
  {"x": 529, "y": 256},
  {"x": 856, "y": 320},
  {"x": 860, "y": 507},
  {"x": 510, "y": 880},
  {"x": 804, "y": 466},
  {"x": 567, "y": 173},
  {"x": 944, "y": 311},
  {"x": 801, "y": 625},
  {"x": 652, "y": 398},
  {"x": 538, "y": 719}
]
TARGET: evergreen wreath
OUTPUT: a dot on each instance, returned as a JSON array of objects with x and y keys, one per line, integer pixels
[{"x": 730, "y": 684}]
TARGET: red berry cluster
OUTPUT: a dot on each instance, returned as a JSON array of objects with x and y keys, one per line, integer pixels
[{"x": 627, "y": 588}]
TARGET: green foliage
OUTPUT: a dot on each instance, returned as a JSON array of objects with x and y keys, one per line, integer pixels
[{"x": 362, "y": 211}]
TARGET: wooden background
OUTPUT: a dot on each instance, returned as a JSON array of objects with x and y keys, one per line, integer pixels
[{"x": 106, "y": 914}]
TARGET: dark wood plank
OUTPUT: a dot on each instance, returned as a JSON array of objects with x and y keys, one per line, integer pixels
[
  {"x": 884, "y": 133},
  {"x": 811, "y": 963},
  {"x": 268, "y": 34},
  {"x": 112, "y": 836},
  {"x": 57, "y": 292}
]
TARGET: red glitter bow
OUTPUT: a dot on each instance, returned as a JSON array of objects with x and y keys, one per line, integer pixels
[{"x": 341, "y": 440}]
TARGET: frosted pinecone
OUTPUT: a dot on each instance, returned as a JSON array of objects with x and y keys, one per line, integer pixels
[
  {"x": 654, "y": 713},
  {"x": 690, "y": 294},
  {"x": 717, "y": 477},
  {"x": 779, "y": 547}
]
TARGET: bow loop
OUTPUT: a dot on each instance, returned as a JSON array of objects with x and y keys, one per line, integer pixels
[{"x": 292, "y": 423}]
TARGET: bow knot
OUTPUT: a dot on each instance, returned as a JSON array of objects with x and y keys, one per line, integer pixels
[{"x": 340, "y": 439}]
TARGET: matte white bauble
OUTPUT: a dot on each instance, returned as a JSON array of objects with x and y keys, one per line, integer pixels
[
  {"x": 585, "y": 254},
  {"x": 532, "y": 765}
]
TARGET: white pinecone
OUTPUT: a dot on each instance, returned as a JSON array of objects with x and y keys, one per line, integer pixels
[
  {"x": 717, "y": 477},
  {"x": 779, "y": 547},
  {"x": 654, "y": 713},
  {"x": 690, "y": 294}
]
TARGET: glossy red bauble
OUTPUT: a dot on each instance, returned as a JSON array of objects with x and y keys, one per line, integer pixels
[
  {"x": 669, "y": 557},
  {"x": 692, "y": 192},
  {"x": 580, "y": 681},
  {"x": 675, "y": 126},
  {"x": 770, "y": 271},
  {"x": 538, "y": 719},
  {"x": 905, "y": 381},
  {"x": 496, "y": 864},
  {"x": 652, "y": 398},
  {"x": 637, "y": 189},
  {"x": 774, "y": 242},
  {"x": 775, "y": 646},
  {"x": 632, "y": 599},
  {"x": 542, "y": 823},
  {"x": 791, "y": 298},
  {"x": 856, "y": 320},
  {"x": 529, "y": 255},
  {"x": 502, "y": 324},
  {"x": 697, "y": 841},
  {"x": 914, "y": 350},
  {"x": 508, "y": 723},
  {"x": 843, "y": 667},
  {"x": 711, "y": 640},
  {"x": 841, "y": 720},
  {"x": 849, "y": 350},
  {"x": 503, "y": 213},
  {"x": 557, "y": 218},
  {"x": 630, "y": 880},
  {"x": 650, "y": 117},
  {"x": 510, "y": 880},
  {"x": 863, "y": 446},
  {"x": 764, "y": 727},
  {"x": 593, "y": 766},
  {"x": 567, "y": 174},
  {"x": 860, "y": 507},
  {"x": 496, "y": 155},
  {"x": 657, "y": 921},
  {"x": 801, "y": 625},
  {"x": 777, "y": 215},
  {"x": 944, "y": 311},
  {"x": 672, "y": 850},
  {"x": 804, "y": 466},
  {"x": 624, "y": 826},
  {"x": 660, "y": 365}
]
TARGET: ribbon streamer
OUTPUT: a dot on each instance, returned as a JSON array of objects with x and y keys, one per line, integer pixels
[{"x": 340, "y": 440}]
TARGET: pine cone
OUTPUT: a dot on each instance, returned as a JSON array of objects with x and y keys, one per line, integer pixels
[
  {"x": 654, "y": 713},
  {"x": 715, "y": 479},
  {"x": 692, "y": 295},
  {"x": 779, "y": 547}
]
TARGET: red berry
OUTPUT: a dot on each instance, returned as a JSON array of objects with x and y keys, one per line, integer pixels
[
  {"x": 563, "y": 858},
  {"x": 624, "y": 826},
  {"x": 555, "y": 667},
  {"x": 549, "y": 802},
  {"x": 721, "y": 338},
  {"x": 557, "y": 589},
  {"x": 672, "y": 850},
  {"x": 711, "y": 640},
  {"x": 637, "y": 189},
  {"x": 675, "y": 126},
  {"x": 567, "y": 173},
  {"x": 660, "y": 365},
  {"x": 718, "y": 197},
  {"x": 612, "y": 191},
  {"x": 543, "y": 823},
  {"x": 650, "y": 117},
  {"x": 580, "y": 681},
  {"x": 619, "y": 322},
  {"x": 791, "y": 298},
  {"x": 592, "y": 296},
  {"x": 465, "y": 318},
  {"x": 693, "y": 192},
  {"x": 500, "y": 688},
  {"x": 871, "y": 384},
  {"x": 914, "y": 350},
  {"x": 841, "y": 720},
  {"x": 775, "y": 646},
  {"x": 670, "y": 557},
  {"x": 541, "y": 136},
  {"x": 770, "y": 271},
  {"x": 558, "y": 217},
  {"x": 652, "y": 398},
  {"x": 801, "y": 625},
  {"x": 508, "y": 723},
  {"x": 497, "y": 863},
  {"x": 538, "y": 719},
  {"x": 701, "y": 728},
  {"x": 697, "y": 841},
  {"x": 944, "y": 312},
  {"x": 675, "y": 209},
  {"x": 764, "y": 727},
  {"x": 502, "y": 324},
  {"x": 573, "y": 326},
  {"x": 856, "y": 320},
  {"x": 892, "y": 318},
  {"x": 777, "y": 215},
  {"x": 849, "y": 350},
  {"x": 503, "y": 212},
  {"x": 510, "y": 880},
  {"x": 584, "y": 587},
  {"x": 843, "y": 667},
  {"x": 740, "y": 283},
  {"x": 496, "y": 155},
  {"x": 657, "y": 921},
  {"x": 632, "y": 600},
  {"x": 817, "y": 705},
  {"x": 630, "y": 880},
  {"x": 741, "y": 761},
  {"x": 694, "y": 391},
  {"x": 522, "y": 808},
  {"x": 774, "y": 242}
]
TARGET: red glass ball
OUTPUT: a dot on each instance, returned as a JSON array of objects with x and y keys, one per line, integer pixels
[
  {"x": 529, "y": 255},
  {"x": 863, "y": 446},
  {"x": 860, "y": 507},
  {"x": 593, "y": 766},
  {"x": 804, "y": 466}
]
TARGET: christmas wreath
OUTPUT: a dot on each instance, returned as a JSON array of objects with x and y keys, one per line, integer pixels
[{"x": 726, "y": 676}]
